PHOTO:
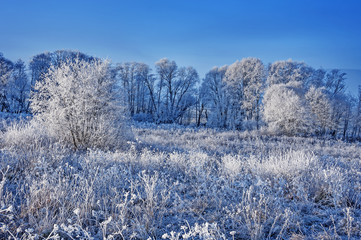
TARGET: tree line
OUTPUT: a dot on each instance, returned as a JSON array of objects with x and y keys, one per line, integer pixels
[{"x": 285, "y": 97}]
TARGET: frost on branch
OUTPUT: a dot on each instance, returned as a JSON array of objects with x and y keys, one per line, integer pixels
[{"x": 80, "y": 104}]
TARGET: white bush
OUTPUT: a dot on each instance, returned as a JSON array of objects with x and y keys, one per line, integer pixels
[
  {"x": 80, "y": 104},
  {"x": 25, "y": 135},
  {"x": 285, "y": 109}
]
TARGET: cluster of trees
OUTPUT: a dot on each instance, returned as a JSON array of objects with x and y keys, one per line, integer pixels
[
  {"x": 14, "y": 86},
  {"x": 301, "y": 100},
  {"x": 230, "y": 96},
  {"x": 287, "y": 97},
  {"x": 164, "y": 97},
  {"x": 17, "y": 82}
]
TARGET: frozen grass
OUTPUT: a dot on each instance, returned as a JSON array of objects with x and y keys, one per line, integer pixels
[{"x": 180, "y": 183}]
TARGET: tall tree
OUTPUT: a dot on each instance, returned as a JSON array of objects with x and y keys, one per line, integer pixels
[
  {"x": 335, "y": 85},
  {"x": 321, "y": 108},
  {"x": 40, "y": 64},
  {"x": 356, "y": 131},
  {"x": 245, "y": 84},
  {"x": 167, "y": 72},
  {"x": 138, "y": 88},
  {"x": 214, "y": 97},
  {"x": 316, "y": 78},
  {"x": 20, "y": 88},
  {"x": 183, "y": 91},
  {"x": 6, "y": 68},
  {"x": 127, "y": 74},
  {"x": 150, "y": 106},
  {"x": 175, "y": 89},
  {"x": 335, "y": 82},
  {"x": 234, "y": 89},
  {"x": 288, "y": 71}
]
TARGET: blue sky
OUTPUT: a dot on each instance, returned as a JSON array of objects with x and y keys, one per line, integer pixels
[{"x": 198, "y": 33}]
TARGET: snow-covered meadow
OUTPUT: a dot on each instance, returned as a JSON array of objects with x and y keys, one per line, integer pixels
[
  {"x": 180, "y": 120},
  {"x": 89, "y": 150},
  {"x": 173, "y": 182}
]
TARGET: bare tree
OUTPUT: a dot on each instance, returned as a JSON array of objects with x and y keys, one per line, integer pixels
[
  {"x": 167, "y": 72},
  {"x": 175, "y": 89}
]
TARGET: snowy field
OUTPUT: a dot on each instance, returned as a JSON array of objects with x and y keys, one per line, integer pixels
[
  {"x": 173, "y": 182},
  {"x": 180, "y": 120}
]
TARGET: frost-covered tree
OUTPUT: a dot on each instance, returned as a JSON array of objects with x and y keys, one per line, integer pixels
[
  {"x": 6, "y": 68},
  {"x": 286, "y": 110},
  {"x": 335, "y": 85},
  {"x": 356, "y": 131},
  {"x": 40, "y": 63},
  {"x": 321, "y": 109},
  {"x": 19, "y": 88},
  {"x": 253, "y": 87},
  {"x": 39, "y": 66},
  {"x": 330, "y": 107},
  {"x": 202, "y": 105},
  {"x": 213, "y": 97},
  {"x": 80, "y": 104},
  {"x": 133, "y": 77},
  {"x": 149, "y": 81},
  {"x": 335, "y": 81},
  {"x": 288, "y": 71},
  {"x": 183, "y": 92},
  {"x": 316, "y": 78},
  {"x": 234, "y": 84},
  {"x": 60, "y": 56},
  {"x": 167, "y": 72},
  {"x": 347, "y": 106},
  {"x": 175, "y": 86},
  {"x": 244, "y": 82}
]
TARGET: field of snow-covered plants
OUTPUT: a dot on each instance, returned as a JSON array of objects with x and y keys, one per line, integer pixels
[{"x": 179, "y": 183}]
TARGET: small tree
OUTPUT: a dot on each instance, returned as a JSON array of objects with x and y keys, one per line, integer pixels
[{"x": 80, "y": 104}]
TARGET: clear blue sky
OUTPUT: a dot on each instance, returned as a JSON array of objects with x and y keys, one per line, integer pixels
[{"x": 197, "y": 33}]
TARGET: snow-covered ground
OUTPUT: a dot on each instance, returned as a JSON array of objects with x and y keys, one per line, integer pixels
[{"x": 180, "y": 183}]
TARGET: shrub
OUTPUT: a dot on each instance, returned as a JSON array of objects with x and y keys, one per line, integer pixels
[{"x": 80, "y": 104}]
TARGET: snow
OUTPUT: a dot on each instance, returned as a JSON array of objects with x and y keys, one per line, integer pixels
[
  {"x": 76, "y": 168},
  {"x": 175, "y": 182}
]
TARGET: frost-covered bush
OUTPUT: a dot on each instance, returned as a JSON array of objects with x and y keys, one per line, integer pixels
[
  {"x": 80, "y": 104},
  {"x": 27, "y": 136},
  {"x": 286, "y": 110}
]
